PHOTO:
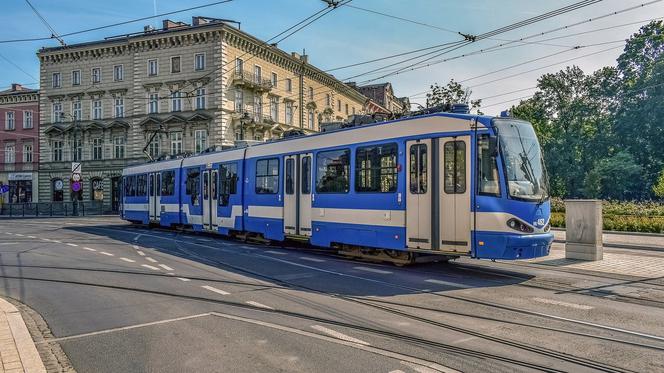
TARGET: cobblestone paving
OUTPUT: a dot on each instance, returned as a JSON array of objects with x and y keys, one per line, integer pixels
[{"x": 10, "y": 361}]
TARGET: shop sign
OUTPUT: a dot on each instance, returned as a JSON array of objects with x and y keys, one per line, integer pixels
[{"x": 20, "y": 176}]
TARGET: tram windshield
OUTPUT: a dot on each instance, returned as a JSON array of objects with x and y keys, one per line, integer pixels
[{"x": 522, "y": 157}]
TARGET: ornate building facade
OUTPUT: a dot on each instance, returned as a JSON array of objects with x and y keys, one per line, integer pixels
[
  {"x": 177, "y": 90},
  {"x": 19, "y": 144}
]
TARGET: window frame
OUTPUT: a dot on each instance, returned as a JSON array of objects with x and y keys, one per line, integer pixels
[
  {"x": 74, "y": 74},
  {"x": 289, "y": 176},
  {"x": 155, "y": 102},
  {"x": 92, "y": 75},
  {"x": 196, "y": 57},
  {"x": 9, "y": 121},
  {"x": 378, "y": 169},
  {"x": 454, "y": 162},
  {"x": 348, "y": 173},
  {"x": 93, "y": 110},
  {"x": 305, "y": 174},
  {"x": 156, "y": 65},
  {"x": 56, "y": 83},
  {"x": 118, "y": 73},
  {"x": 28, "y": 154},
  {"x": 201, "y": 98},
  {"x": 267, "y": 175},
  {"x": 164, "y": 183},
  {"x": 419, "y": 168},
  {"x": 28, "y": 114},
  {"x": 227, "y": 184},
  {"x": 486, "y": 137},
  {"x": 179, "y": 59}
]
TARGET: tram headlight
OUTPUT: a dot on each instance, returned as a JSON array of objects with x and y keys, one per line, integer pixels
[{"x": 520, "y": 226}]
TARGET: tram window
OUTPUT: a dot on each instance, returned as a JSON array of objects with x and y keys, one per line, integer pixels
[
  {"x": 193, "y": 184},
  {"x": 206, "y": 185},
  {"x": 376, "y": 168},
  {"x": 167, "y": 183},
  {"x": 418, "y": 169},
  {"x": 141, "y": 185},
  {"x": 290, "y": 173},
  {"x": 487, "y": 170},
  {"x": 153, "y": 181},
  {"x": 267, "y": 176},
  {"x": 306, "y": 175},
  {"x": 333, "y": 171},
  {"x": 227, "y": 182},
  {"x": 455, "y": 167}
]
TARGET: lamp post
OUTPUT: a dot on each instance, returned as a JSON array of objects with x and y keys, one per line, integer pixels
[{"x": 76, "y": 156}]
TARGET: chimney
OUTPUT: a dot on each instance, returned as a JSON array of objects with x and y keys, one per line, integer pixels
[
  {"x": 167, "y": 24},
  {"x": 148, "y": 28},
  {"x": 305, "y": 58},
  {"x": 295, "y": 55},
  {"x": 16, "y": 87}
]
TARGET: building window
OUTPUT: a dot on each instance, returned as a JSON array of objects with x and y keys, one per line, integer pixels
[
  {"x": 200, "y": 140},
  {"x": 267, "y": 176},
  {"x": 27, "y": 119},
  {"x": 97, "y": 148},
  {"x": 154, "y": 147},
  {"x": 57, "y": 151},
  {"x": 10, "y": 153},
  {"x": 96, "y": 109},
  {"x": 27, "y": 153},
  {"x": 376, "y": 168},
  {"x": 274, "y": 80},
  {"x": 289, "y": 112},
  {"x": 239, "y": 65},
  {"x": 338, "y": 105},
  {"x": 76, "y": 109},
  {"x": 274, "y": 108},
  {"x": 353, "y": 110},
  {"x": 199, "y": 61},
  {"x": 119, "y": 107},
  {"x": 153, "y": 107},
  {"x": 57, "y": 187},
  {"x": 76, "y": 77},
  {"x": 258, "y": 107},
  {"x": 96, "y": 75},
  {"x": 333, "y": 171},
  {"x": 9, "y": 121},
  {"x": 175, "y": 65},
  {"x": 176, "y": 101},
  {"x": 119, "y": 147},
  {"x": 153, "y": 67},
  {"x": 311, "y": 93},
  {"x": 328, "y": 101},
  {"x": 257, "y": 74},
  {"x": 239, "y": 98},
  {"x": 76, "y": 149},
  {"x": 289, "y": 85},
  {"x": 200, "y": 98},
  {"x": 311, "y": 119},
  {"x": 258, "y": 137},
  {"x": 57, "y": 112},
  {"x": 97, "y": 189},
  {"x": 346, "y": 109},
  {"x": 176, "y": 143},
  {"x": 56, "y": 80},
  {"x": 118, "y": 73}
]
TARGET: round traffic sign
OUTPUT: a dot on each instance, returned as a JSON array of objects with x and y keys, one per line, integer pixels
[
  {"x": 76, "y": 186},
  {"x": 76, "y": 177},
  {"x": 58, "y": 184}
]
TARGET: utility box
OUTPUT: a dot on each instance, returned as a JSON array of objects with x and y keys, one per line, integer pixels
[{"x": 583, "y": 222}]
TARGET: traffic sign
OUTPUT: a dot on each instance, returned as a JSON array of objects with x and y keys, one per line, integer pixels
[
  {"x": 4, "y": 189},
  {"x": 76, "y": 186},
  {"x": 76, "y": 177}
]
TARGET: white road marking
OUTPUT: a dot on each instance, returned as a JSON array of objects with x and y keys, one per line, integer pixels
[
  {"x": 248, "y": 247},
  {"x": 32, "y": 237},
  {"x": 105, "y": 253},
  {"x": 338, "y": 335},
  {"x": 218, "y": 291},
  {"x": 140, "y": 253},
  {"x": 312, "y": 259},
  {"x": 56, "y": 241},
  {"x": 276, "y": 252},
  {"x": 259, "y": 305},
  {"x": 89, "y": 249},
  {"x": 150, "y": 259},
  {"x": 374, "y": 270},
  {"x": 164, "y": 266},
  {"x": 9, "y": 233},
  {"x": 448, "y": 283},
  {"x": 183, "y": 279},
  {"x": 396, "y": 371},
  {"x": 9, "y": 243},
  {"x": 204, "y": 239},
  {"x": 18, "y": 234},
  {"x": 564, "y": 304},
  {"x": 418, "y": 368},
  {"x": 136, "y": 247},
  {"x": 137, "y": 237},
  {"x": 128, "y": 260},
  {"x": 72, "y": 244},
  {"x": 149, "y": 266}
]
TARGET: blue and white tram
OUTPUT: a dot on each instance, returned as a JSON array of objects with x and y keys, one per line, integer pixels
[{"x": 449, "y": 184}]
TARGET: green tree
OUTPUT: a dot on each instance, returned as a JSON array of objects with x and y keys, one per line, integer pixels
[
  {"x": 452, "y": 93},
  {"x": 615, "y": 177},
  {"x": 658, "y": 188}
]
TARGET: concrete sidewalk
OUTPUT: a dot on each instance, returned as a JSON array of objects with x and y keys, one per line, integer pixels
[
  {"x": 627, "y": 240},
  {"x": 17, "y": 349}
]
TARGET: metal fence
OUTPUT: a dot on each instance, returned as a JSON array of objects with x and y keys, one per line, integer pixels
[{"x": 73, "y": 208}]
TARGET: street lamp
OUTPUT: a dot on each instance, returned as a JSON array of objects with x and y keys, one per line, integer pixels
[{"x": 77, "y": 156}]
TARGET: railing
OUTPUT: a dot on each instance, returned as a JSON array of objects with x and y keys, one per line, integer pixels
[
  {"x": 252, "y": 80},
  {"x": 73, "y": 208}
]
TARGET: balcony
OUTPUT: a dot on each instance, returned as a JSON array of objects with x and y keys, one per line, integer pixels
[{"x": 251, "y": 81}]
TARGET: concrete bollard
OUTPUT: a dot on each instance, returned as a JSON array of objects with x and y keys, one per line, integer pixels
[{"x": 583, "y": 222}]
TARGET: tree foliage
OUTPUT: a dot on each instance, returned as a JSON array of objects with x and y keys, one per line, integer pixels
[
  {"x": 452, "y": 93},
  {"x": 602, "y": 134}
]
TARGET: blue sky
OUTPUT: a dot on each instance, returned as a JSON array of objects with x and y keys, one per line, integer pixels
[{"x": 349, "y": 35}]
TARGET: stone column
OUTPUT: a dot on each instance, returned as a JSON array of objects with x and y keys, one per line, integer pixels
[{"x": 583, "y": 222}]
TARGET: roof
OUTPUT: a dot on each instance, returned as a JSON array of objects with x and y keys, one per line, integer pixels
[{"x": 17, "y": 89}]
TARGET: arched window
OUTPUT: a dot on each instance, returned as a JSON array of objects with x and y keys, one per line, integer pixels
[
  {"x": 97, "y": 189},
  {"x": 57, "y": 187}
]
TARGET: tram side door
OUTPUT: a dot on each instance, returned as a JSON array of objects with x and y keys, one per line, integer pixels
[
  {"x": 418, "y": 195},
  {"x": 154, "y": 183},
  {"x": 454, "y": 195},
  {"x": 297, "y": 194},
  {"x": 210, "y": 199}
]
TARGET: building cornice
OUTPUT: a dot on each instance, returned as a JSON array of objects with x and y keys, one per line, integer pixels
[{"x": 14, "y": 98}]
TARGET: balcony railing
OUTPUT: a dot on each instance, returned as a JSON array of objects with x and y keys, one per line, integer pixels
[{"x": 252, "y": 81}]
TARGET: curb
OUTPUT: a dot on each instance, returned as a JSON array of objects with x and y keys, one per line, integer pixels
[
  {"x": 623, "y": 246},
  {"x": 27, "y": 350}
]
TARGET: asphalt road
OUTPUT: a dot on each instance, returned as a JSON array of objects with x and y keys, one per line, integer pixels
[{"x": 119, "y": 298}]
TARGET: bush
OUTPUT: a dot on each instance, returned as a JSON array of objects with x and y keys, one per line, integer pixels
[{"x": 620, "y": 216}]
